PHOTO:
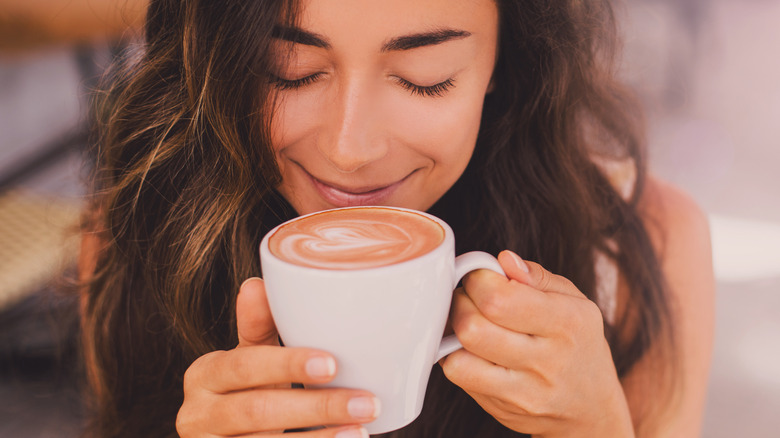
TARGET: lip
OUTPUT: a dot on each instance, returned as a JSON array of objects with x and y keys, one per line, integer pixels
[{"x": 340, "y": 196}]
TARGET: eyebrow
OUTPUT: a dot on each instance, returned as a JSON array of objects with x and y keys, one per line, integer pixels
[
  {"x": 408, "y": 42},
  {"x": 300, "y": 36},
  {"x": 401, "y": 43}
]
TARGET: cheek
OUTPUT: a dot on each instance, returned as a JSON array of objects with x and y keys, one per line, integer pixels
[
  {"x": 293, "y": 116},
  {"x": 444, "y": 130}
]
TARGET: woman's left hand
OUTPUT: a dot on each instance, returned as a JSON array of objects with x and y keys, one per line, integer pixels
[{"x": 534, "y": 354}]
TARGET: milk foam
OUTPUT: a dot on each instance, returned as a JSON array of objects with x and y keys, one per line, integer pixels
[{"x": 356, "y": 239}]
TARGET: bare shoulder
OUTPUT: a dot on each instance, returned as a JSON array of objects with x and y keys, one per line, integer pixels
[
  {"x": 677, "y": 226},
  {"x": 680, "y": 233}
]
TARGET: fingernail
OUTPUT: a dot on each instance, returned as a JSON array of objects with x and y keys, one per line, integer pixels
[
  {"x": 364, "y": 407},
  {"x": 319, "y": 367},
  {"x": 519, "y": 262},
  {"x": 352, "y": 433}
]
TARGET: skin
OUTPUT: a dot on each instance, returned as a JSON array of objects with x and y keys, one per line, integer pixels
[
  {"x": 681, "y": 236},
  {"x": 355, "y": 134}
]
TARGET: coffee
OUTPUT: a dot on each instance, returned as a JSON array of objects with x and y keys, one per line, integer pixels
[
  {"x": 356, "y": 238},
  {"x": 379, "y": 301}
]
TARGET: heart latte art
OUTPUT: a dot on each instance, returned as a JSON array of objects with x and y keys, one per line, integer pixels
[{"x": 356, "y": 238}]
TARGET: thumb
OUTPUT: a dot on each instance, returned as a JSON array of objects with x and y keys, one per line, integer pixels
[
  {"x": 253, "y": 316},
  {"x": 534, "y": 275},
  {"x": 514, "y": 267}
]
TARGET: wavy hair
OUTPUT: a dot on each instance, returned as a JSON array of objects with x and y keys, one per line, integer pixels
[{"x": 185, "y": 179}]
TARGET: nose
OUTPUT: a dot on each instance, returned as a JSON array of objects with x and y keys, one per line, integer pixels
[{"x": 351, "y": 139}]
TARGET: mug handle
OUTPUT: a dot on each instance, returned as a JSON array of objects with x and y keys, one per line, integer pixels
[{"x": 465, "y": 263}]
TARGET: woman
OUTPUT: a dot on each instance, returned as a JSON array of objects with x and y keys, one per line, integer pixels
[{"x": 501, "y": 117}]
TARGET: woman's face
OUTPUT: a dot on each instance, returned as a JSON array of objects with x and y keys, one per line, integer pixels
[{"x": 379, "y": 101}]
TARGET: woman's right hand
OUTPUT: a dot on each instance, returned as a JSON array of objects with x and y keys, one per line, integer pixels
[{"x": 247, "y": 391}]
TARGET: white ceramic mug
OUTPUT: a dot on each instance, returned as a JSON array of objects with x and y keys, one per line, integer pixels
[{"x": 384, "y": 325}]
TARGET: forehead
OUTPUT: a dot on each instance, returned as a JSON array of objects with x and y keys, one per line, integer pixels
[{"x": 373, "y": 21}]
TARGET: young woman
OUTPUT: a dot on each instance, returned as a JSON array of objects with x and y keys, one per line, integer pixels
[{"x": 501, "y": 117}]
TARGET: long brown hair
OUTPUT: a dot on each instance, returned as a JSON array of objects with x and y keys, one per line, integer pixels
[{"x": 185, "y": 178}]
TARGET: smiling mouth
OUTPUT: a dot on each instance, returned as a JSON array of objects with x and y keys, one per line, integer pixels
[{"x": 340, "y": 196}]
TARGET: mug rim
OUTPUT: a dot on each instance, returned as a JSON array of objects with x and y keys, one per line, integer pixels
[{"x": 448, "y": 240}]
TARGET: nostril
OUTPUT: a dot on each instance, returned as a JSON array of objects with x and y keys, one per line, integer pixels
[
  {"x": 346, "y": 164},
  {"x": 352, "y": 159}
]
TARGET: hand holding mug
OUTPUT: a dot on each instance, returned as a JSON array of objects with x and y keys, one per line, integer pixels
[
  {"x": 535, "y": 356},
  {"x": 247, "y": 390}
]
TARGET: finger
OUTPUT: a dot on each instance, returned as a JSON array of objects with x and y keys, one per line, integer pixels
[
  {"x": 480, "y": 377},
  {"x": 534, "y": 275},
  {"x": 255, "y": 366},
  {"x": 492, "y": 342},
  {"x": 519, "y": 400},
  {"x": 247, "y": 412},
  {"x": 510, "y": 304},
  {"x": 544, "y": 280},
  {"x": 531, "y": 422},
  {"x": 469, "y": 371},
  {"x": 255, "y": 323},
  {"x": 514, "y": 267}
]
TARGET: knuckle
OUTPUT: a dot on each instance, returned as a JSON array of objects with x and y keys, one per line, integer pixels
[
  {"x": 593, "y": 313},
  {"x": 470, "y": 280},
  {"x": 194, "y": 415},
  {"x": 330, "y": 405},
  {"x": 545, "y": 279},
  {"x": 195, "y": 372},
  {"x": 495, "y": 305},
  {"x": 259, "y": 410},
  {"x": 183, "y": 423},
  {"x": 468, "y": 329},
  {"x": 189, "y": 379},
  {"x": 594, "y": 318},
  {"x": 240, "y": 365},
  {"x": 291, "y": 363},
  {"x": 567, "y": 284},
  {"x": 586, "y": 315},
  {"x": 453, "y": 367}
]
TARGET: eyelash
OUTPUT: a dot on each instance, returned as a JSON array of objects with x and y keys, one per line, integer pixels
[
  {"x": 287, "y": 84},
  {"x": 436, "y": 90}
]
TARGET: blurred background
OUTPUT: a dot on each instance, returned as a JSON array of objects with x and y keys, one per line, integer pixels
[{"x": 707, "y": 70}]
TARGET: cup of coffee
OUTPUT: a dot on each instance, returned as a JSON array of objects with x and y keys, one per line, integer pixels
[{"x": 372, "y": 286}]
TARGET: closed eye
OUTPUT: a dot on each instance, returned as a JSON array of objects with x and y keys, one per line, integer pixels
[
  {"x": 436, "y": 90},
  {"x": 293, "y": 84}
]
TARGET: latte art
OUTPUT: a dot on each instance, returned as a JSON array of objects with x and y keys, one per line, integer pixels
[{"x": 356, "y": 238}]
